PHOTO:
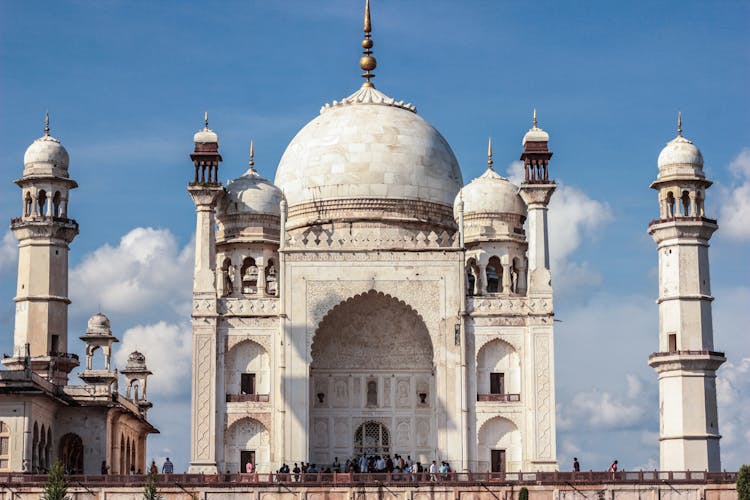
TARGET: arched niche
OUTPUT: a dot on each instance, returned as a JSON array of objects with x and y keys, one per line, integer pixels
[
  {"x": 243, "y": 360},
  {"x": 246, "y": 439},
  {"x": 499, "y": 440},
  {"x": 71, "y": 453},
  {"x": 500, "y": 358}
]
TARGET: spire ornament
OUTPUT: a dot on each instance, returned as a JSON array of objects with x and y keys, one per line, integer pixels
[
  {"x": 679, "y": 123},
  {"x": 205, "y": 119},
  {"x": 367, "y": 63},
  {"x": 251, "y": 163},
  {"x": 46, "y": 124},
  {"x": 490, "y": 162},
  {"x": 535, "y": 118}
]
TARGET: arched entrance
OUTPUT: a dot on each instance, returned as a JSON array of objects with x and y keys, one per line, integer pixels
[
  {"x": 71, "y": 453},
  {"x": 499, "y": 446},
  {"x": 371, "y": 381},
  {"x": 246, "y": 440}
]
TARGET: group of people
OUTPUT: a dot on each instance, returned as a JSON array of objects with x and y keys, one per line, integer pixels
[
  {"x": 166, "y": 468},
  {"x": 373, "y": 464}
]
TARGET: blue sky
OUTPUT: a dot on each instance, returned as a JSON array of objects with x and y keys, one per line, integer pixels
[{"x": 126, "y": 84}]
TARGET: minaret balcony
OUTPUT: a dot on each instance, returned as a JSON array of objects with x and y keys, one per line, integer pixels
[{"x": 686, "y": 360}]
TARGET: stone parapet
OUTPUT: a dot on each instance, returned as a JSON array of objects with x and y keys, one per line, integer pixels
[{"x": 635, "y": 485}]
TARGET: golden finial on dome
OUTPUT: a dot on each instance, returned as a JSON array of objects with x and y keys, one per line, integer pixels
[
  {"x": 252, "y": 154},
  {"x": 679, "y": 123},
  {"x": 367, "y": 62},
  {"x": 534, "y": 117},
  {"x": 205, "y": 119},
  {"x": 489, "y": 154},
  {"x": 46, "y": 123}
]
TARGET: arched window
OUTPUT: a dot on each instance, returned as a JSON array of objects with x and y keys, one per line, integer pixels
[
  {"x": 42, "y": 201},
  {"x": 48, "y": 449},
  {"x": 71, "y": 453},
  {"x": 56, "y": 204},
  {"x": 127, "y": 457},
  {"x": 372, "y": 438},
  {"x": 685, "y": 199},
  {"x": 35, "y": 449},
  {"x": 670, "y": 205},
  {"x": 472, "y": 278},
  {"x": 122, "y": 455},
  {"x": 4, "y": 446},
  {"x": 494, "y": 275},
  {"x": 372, "y": 393},
  {"x": 249, "y": 276},
  {"x": 227, "y": 273},
  {"x": 132, "y": 456},
  {"x": 28, "y": 205},
  {"x": 41, "y": 453},
  {"x": 271, "y": 282}
]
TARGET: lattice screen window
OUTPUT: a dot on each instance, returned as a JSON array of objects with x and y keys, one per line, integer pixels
[
  {"x": 4, "y": 446},
  {"x": 372, "y": 438}
]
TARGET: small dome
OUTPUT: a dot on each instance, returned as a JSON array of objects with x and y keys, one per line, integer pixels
[
  {"x": 45, "y": 154},
  {"x": 535, "y": 134},
  {"x": 98, "y": 325},
  {"x": 490, "y": 193},
  {"x": 136, "y": 362},
  {"x": 205, "y": 135},
  {"x": 251, "y": 194},
  {"x": 680, "y": 152}
]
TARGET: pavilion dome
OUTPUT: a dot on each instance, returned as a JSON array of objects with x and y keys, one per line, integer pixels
[
  {"x": 46, "y": 156},
  {"x": 369, "y": 157},
  {"x": 250, "y": 194},
  {"x": 205, "y": 135},
  {"x": 489, "y": 194},
  {"x": 98, "y": 324},
  {"x": 680, "y": 157}
]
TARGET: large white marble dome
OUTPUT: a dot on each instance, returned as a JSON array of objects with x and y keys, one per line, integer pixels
[{"x": 369, "y": 157}]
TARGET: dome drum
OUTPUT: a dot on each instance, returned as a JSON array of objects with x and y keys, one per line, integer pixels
[
  {"x": 372, "y": 212},
  {"x": 247, "y": 228}
]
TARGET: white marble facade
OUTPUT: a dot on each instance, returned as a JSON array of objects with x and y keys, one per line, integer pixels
[{"x": 365, "y": 303}]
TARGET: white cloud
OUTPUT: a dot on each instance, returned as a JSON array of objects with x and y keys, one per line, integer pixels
[
  {"x": 147, "y": 271},
  {"x": 167, "y": 348},
  {"x": 572, "y": 216},
  {"x": 597, "y": 409},
  {"x": 734, "y": 212},
  {"x": 8, "y": 252}
]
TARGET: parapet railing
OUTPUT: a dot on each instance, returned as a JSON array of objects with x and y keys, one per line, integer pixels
[
  {"x": 411, "y": 479},
  {"x": 248, "y": 398},
  {"x": 500, "y": 398}
]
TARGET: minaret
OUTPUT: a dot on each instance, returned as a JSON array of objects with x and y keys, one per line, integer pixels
[
  {"x": 686, "y": 361},
  {"x": 536, "y": 191},
  {"x": 44, "y": 232},
  {"x": 205, "y": 190}
]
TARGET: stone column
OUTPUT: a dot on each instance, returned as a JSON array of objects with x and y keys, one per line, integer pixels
[
  {"x": 482, "y": 280},
  {"x": 506, "y": 279}
]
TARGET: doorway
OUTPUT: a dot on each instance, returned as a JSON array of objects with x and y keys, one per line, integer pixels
[
  {"x": 497, "y": 458},
  {"x": 246, "y": 456}
]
